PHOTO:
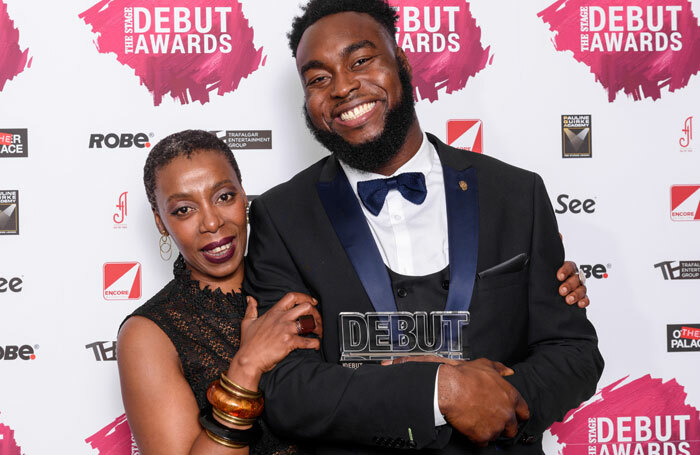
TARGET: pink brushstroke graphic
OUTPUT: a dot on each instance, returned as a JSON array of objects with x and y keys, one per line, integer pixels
[
  {"x": 442, "y": 43},
  {"x": 643, "y": 417},
  {"x": 186, "y": 51},
  {"x": 638, "y": 46},
  {"x": 8, "y": 445},
  {"x": 13, "y": 60},
  {"x": 114, "y": 439}
]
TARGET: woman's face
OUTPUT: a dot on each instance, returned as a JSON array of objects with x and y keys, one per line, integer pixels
[{"x": 201, "y": 204}]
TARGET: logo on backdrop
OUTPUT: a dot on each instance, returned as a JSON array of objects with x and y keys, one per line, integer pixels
[
  {"x": 11, "y": 284},
  {"x": 119, "y": 216},
  {"x": 16, "y": 352},
  {"x": 683, "y": 337},
  {"x": 679, "y": 270},
  {"x": 638, "y": 46},
  {"x": 597, "y": 271},
  {"x": 685, "y": 202},
  {"x": 8, "y": 445},
  {"x": 185, "y": 51},
  {"x": 574, "y": 205},
  {"x": 466, "y": 135},
  {"x": 687, "y": 136},
  {"x": 245, "y": 139},
  {"x": 121, "y": 280},
  {"x": 13, "y": 143},
  {"x": 13, "y": 60},
  {"x": 576, "y": 136},
  {"x": 114, "y": 439},
  {"x": 122, "y": 140},
  {"x": 103, "y": 350},
  {"x": 442, "y": 42},
  {"x": 641, "y": 417},
  {"x": 9, "y": 212}
]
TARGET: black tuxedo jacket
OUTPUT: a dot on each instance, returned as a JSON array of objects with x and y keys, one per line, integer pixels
[{"x": 309, "y": 235}]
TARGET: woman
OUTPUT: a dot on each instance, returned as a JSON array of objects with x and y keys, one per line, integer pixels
[
  {"x": 174, "y": 346},
  {"x": 180, "y": 341}
]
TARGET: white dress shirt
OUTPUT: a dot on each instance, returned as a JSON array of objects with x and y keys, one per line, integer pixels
[{"x": 411, "y": 238}]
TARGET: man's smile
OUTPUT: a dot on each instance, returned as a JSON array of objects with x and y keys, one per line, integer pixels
[{"x": 353, "y": 116}]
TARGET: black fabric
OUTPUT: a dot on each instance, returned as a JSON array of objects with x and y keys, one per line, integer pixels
[
  {"x": 420, "y": 293},
  {"x": 205, "y": 328},
  {"x": 517, "y": 318}
]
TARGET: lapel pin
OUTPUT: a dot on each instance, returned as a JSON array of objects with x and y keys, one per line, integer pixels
[{"x": 463, "y": 185}]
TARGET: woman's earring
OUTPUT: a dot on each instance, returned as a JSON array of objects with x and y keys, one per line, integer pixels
[
  {"x": 166, "y": 247},
  {"x": 247, "y": 211}
]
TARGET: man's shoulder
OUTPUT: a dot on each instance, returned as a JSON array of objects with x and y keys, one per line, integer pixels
[{"x": 296, "y": 187}]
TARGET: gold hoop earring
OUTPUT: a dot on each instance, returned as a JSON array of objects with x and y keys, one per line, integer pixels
[
  {"x": 247, "y": 212},
  {"x": 166, "y": 247}
]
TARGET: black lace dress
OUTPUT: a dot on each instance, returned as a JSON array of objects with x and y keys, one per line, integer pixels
[{"x": 205, "y": 328}]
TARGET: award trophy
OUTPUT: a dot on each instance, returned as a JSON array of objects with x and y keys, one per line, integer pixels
[{"x": 377, "y": 336}]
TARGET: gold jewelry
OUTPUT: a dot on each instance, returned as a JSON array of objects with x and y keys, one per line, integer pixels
[
  {"x": 166, "y": 246},
  {"x": 224, "y": 442},
  {"x": 231, "y": 419},
  {"x": 239, "y": 390},
  {"x": 247, "y": 212}
]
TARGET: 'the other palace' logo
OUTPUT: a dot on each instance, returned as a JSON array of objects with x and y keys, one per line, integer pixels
[{"x": 122, "y": 281}]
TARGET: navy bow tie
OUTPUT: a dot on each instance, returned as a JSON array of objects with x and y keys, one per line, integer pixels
[{"x": 411, "y": 185}]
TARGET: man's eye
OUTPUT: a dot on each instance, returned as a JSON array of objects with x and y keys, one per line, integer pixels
[
  {"x": 361, "y": 61},
  {"x": 316, "y": 80},
  {"x": 227, "y": 196}
]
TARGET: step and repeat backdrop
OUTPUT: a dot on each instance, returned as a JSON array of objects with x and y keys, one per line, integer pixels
[{"x": 600, "y": 97}]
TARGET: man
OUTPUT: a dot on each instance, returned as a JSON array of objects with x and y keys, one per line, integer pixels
[{"x": 449, "y": 230}]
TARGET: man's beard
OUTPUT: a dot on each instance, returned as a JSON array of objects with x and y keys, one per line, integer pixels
[{"x": 372, "y": 155}]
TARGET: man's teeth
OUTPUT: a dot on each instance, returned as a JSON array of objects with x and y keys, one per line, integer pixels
[
  {"x": 358, "y": 111},
  {"x": 220, "y": 249}
]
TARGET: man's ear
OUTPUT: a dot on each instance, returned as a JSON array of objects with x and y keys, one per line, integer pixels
[
  {"x": 159, "y": 222},
  {"x": 403, "y": 60}
]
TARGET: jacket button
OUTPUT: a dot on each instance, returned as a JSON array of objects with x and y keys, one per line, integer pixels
[
  {"x": 446, "y": 285},
  {"x": 401, "y": 292}
]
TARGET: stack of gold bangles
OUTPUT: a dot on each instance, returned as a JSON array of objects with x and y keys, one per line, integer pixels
[{"x": 232, "y": 404}]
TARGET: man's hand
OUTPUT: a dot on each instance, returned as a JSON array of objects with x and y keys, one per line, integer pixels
[
  {"x": 572, "y": 288},
  {"x": 475, "y": 399}
]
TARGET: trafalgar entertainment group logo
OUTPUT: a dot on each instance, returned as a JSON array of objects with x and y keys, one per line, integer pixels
[
  {"x": 684, "y": 270},
  {"x": 683, "y": 337},
  {"x": 687, "y": 138},
  {"x": 13, "y": 143},
  {"x": 121, "y": 281},
  {"x": 466, "y": 135},
  {"x": 637, "y": 46},
  {"x": 576, "y": 136},
  {"x": 685, "y": 202},
  {"x": 185, "y": 51},
  {"x": 103, "y": 350},
  {"x": 9, "y": 212},
  {"x": 442, "y": 42},
  {"x": 645, "y": 416},
  {"x": 246, "y": 139}
]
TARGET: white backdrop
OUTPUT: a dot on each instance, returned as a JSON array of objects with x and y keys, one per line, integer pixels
[{"x": 68, "y": 194}]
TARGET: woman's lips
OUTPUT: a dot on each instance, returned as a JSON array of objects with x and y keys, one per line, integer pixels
[{"x": 220, "y": 251}]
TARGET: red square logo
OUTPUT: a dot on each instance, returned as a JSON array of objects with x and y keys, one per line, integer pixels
[
  {"x": 5, "y": 139},
  {"x": 466, "y": 134},
  {"x": 121, "y": 281},
  {"x": 685, "y": 202}
]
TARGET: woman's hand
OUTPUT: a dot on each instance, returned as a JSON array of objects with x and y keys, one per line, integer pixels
[{"x": 267, "y": 339}]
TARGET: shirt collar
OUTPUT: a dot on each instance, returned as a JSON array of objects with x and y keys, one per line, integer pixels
[{"x": 421, "y": 162}]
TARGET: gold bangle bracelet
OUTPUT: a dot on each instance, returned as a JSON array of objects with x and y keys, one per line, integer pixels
[
  {"x": 224, "y": 442},
  {"x": 241, "y": 390},
  {"x": 243, "y": 408},
  {"x": 232, "y": 419}
]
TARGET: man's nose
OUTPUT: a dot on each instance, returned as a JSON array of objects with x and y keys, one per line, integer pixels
[{"x": 344, "y": 83}]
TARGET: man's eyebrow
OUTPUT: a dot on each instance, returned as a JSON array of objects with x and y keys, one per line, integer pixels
[
  {"x": 313, "y": 64},
  {"x": 356, "y": 46}
]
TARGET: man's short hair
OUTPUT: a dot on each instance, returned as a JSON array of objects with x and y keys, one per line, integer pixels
[{"x": 318, "y": 9}]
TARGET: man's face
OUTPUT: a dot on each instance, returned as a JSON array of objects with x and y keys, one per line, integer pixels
[{"x": 359, "y": 98}]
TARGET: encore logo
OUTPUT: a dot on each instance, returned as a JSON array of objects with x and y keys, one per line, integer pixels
[
  {"x": 121, "y": 281},
  {"x": 685, "y": 202},
  {"x": 466, "y": 135}
]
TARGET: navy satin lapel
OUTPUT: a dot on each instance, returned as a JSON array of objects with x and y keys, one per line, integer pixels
[
  {"x": 349, "y": 223},
  {"x": 463, "y": 235}
]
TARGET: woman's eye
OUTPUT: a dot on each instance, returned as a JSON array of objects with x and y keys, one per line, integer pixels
[{"x": 181, "y": 211}]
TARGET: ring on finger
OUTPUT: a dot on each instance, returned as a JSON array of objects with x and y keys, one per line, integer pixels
[
  {"x": 581, "y": 277},
  {"x": 305, "y": 324}
]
